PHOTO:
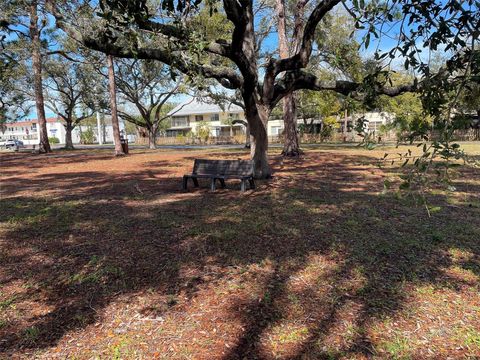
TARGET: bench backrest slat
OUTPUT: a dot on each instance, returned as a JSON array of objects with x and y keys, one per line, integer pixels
[
  {"x": 239, "y": 167},
  {"x": 223, "y": 167}
]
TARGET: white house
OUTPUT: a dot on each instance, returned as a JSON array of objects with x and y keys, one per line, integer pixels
[
  {"x": 374, "y": 119},
  {"x": 187, "y": 116},
  {"x": 27, "y": 131}
]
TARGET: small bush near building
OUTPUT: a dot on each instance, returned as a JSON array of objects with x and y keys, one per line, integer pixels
[
  {"x": 203, "y": 131},
  {"x": 330, "y": 124},
  {"x": 180, "y": 138},
  {"x": 87, "y": 136},
  {"x": 53, "y": 140}
]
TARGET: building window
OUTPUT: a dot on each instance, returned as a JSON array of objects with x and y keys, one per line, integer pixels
[
  {"x": 178, "y": 121},
  {"x": 276, "y": 130},
  {"x": 234, "y": 116},
  {"x": 198, "y": 117},
  {"x": 214, "y": 117}
]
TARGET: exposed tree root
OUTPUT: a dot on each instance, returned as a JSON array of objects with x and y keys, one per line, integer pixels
[{"x": 292, "y": 153}]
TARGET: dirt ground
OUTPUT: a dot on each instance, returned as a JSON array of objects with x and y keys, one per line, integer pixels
[{"x": 104, "y": 257}]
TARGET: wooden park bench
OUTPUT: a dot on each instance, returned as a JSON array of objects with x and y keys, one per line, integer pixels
[{"x": 221, "y": 170}]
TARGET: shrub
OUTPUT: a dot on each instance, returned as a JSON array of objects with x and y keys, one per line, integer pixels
[
  {"x": 330, "y": 124},
  {"x": 53, "y": 140},
  {"x": 87, "y": 136},
  {"x": 203, "y": 131},
  {"x": 180, "y": 139}
]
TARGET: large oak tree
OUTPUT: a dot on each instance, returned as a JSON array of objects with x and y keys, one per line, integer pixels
[
  {"x": 69, "y": 93},
  {"x": 135, "y": 29},
  {"x": 148, "y": 86}
]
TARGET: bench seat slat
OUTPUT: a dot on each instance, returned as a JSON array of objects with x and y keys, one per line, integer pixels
[{"x": 201, "y": 176}]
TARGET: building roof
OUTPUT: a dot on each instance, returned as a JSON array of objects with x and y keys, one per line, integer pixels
[
  {"x": 31, "y": 121},
  {"x": 197, "y": 107}
]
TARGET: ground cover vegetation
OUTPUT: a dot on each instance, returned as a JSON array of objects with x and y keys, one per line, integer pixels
[{"x": 104, "y": 257}]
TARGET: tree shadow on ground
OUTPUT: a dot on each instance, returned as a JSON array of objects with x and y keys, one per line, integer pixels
[{"x": 90, "y": 244}]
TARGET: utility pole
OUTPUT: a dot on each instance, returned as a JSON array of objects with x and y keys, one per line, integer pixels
[{"x": 99, "y": 129}]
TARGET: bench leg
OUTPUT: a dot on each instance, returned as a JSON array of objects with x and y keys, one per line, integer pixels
[
  {"x": 195, "y": 182},
  {"x": 243, "y": 186},
  {"x": 252, "y": 183},
  {"x": 222, "y": 183},
  {"x": 212, "y": 184},
  {"x": 184, "y": 183}
]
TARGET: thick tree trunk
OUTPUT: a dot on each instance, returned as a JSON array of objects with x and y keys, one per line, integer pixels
[
  {"x": 68, "y": 137},
  {"x": 258, "y": 153},
  {"x": 113, "y": 105},
  {"x": 152, "y": 138},
  {"x": 44, "y": 145},
  {"x": 291, "y": 145},
  {"x": 257, "y": 117}
]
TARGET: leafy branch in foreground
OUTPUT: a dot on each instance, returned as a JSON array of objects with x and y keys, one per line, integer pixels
[{"x": 446, "y": 27}]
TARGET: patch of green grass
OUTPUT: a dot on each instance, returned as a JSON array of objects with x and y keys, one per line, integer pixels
[
  {"x": 469, "y": 337},
  {"x": 398, "y": 347},
  {"x": 3, "y": 323},
  {"x": 7, "y": 303},
  {"x": 31, "y": 334},
  {"x": 426, "y": 290},
  {"x": 95, "y": 271},
  {"x": 293, "y": 298},
  {"x": 267, "y": 297},
  {"x": 121, "y": 349},
  {"x": 331, "y": 354},
  {"x": 47, "y": 216},
  {"x": 472, "y": 340},
  {"x": 437, "y": 236},
  {"x": 434, "y": 209},
  {"x": 351, "y": 332},
  {"x": 293, "y": 336}
]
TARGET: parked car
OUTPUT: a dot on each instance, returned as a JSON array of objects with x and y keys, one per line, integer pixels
[{"x": 14, "y": 144}]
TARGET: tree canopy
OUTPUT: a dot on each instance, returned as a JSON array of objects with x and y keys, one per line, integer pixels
[{"x": 230, "y": 41}]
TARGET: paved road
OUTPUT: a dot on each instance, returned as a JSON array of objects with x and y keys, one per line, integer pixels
[
  {"x": 187, "y": 147},
  {"x": 130, "y": 146}
]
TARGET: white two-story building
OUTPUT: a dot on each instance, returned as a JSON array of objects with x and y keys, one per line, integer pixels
[
  {"x": 27, "y": 131},
  {"x": 187, "y": 116}
]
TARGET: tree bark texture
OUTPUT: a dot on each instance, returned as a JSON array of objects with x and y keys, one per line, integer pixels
[
  {"x": 68, "y": 137},
  {"x": 113, "y": 106},
  {"x": 152, "y": 138},
  {"x": 291, "y": 144},
  {"x": 44, "y": 144},
  {"x": 257, "y": 117}
]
